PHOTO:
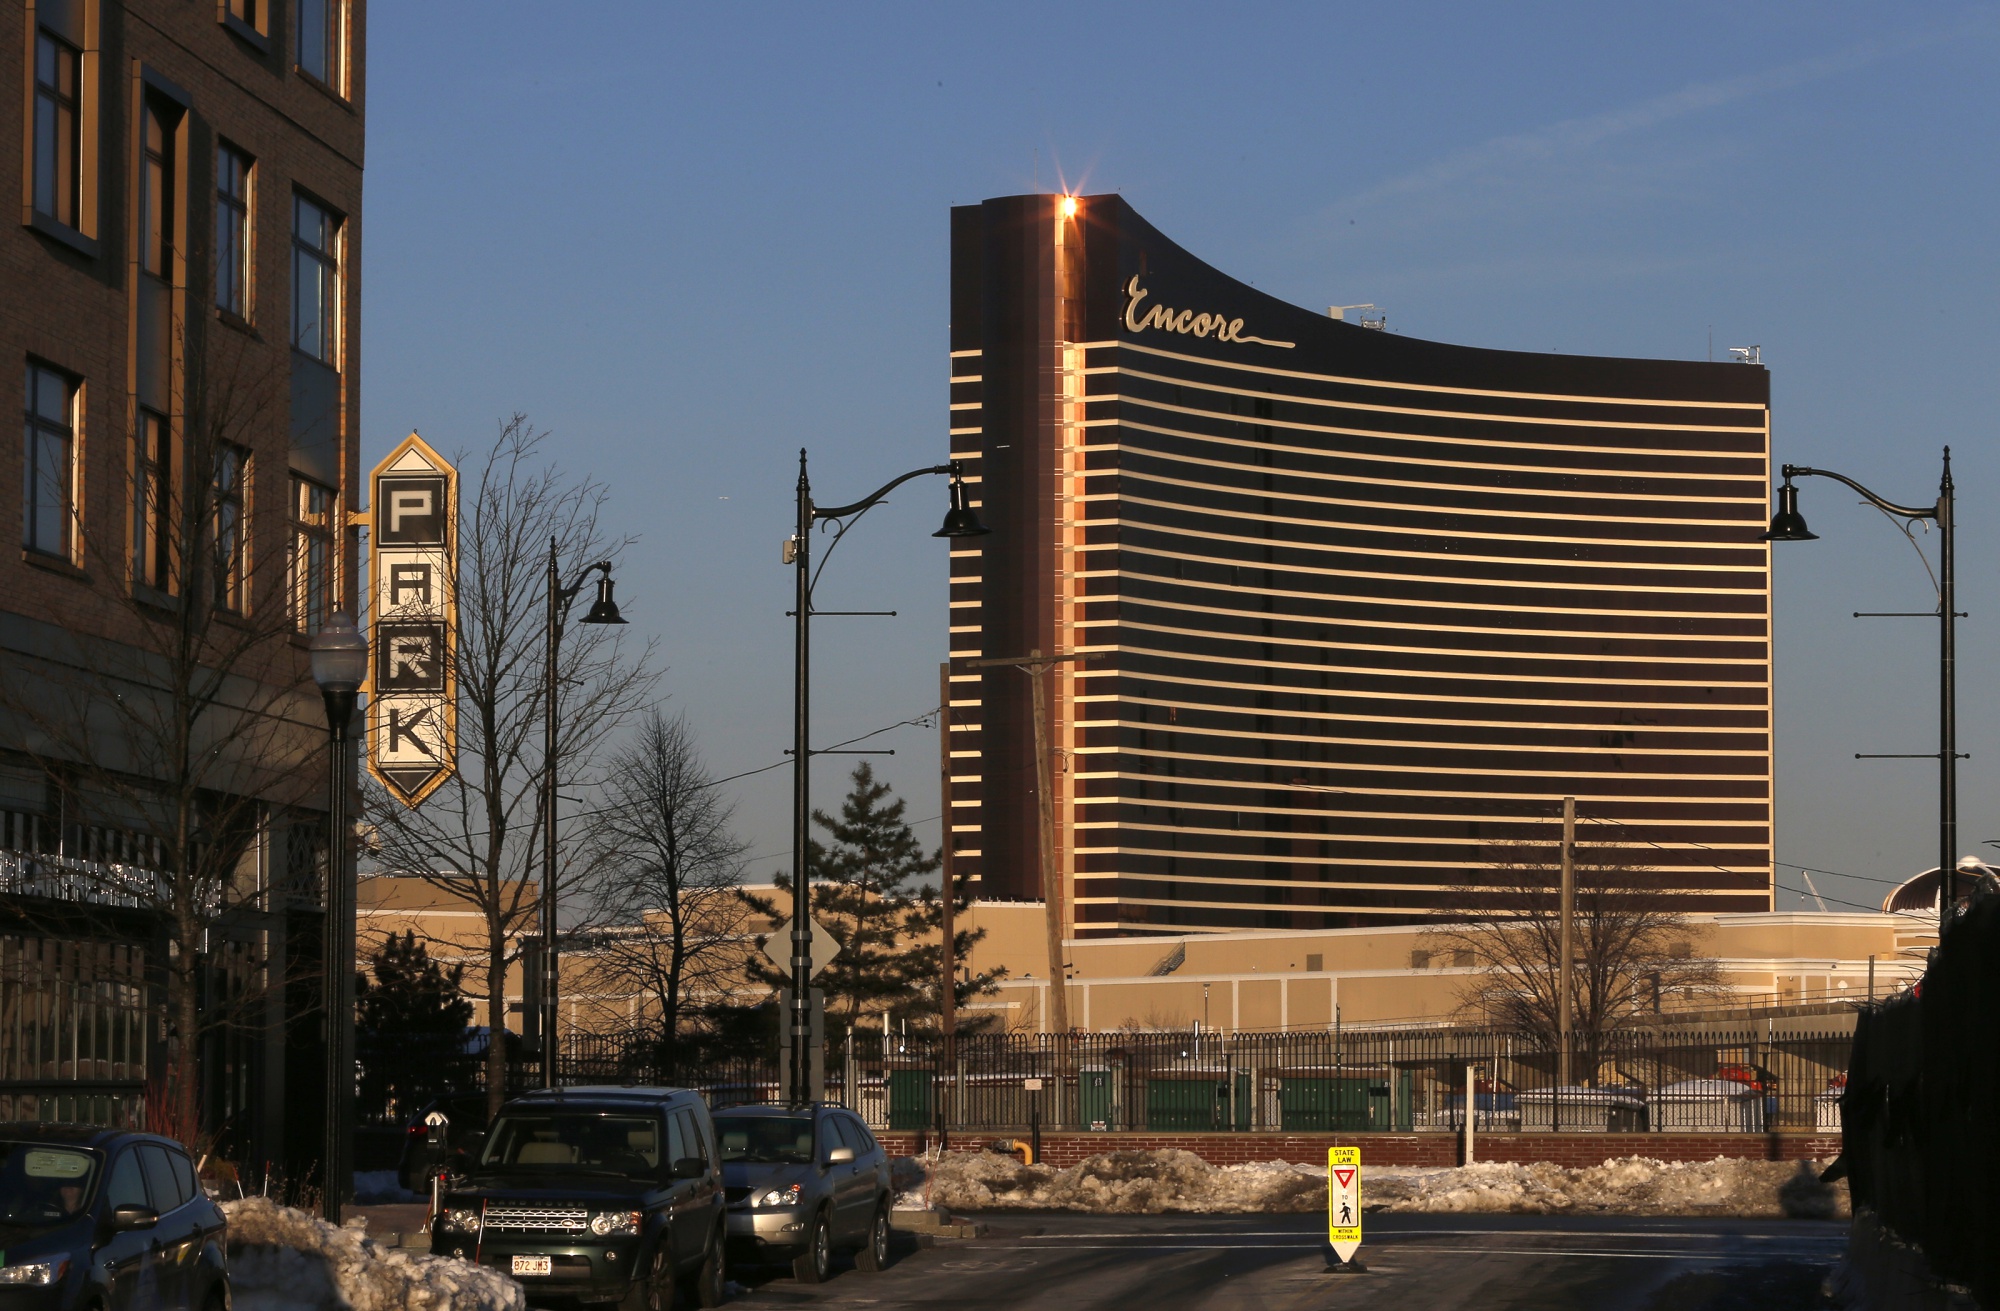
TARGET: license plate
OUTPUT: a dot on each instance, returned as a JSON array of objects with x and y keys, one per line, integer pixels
[{"x": 533, "y": 1265}]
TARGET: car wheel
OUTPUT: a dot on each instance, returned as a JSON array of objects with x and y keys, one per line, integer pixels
[
  {"x": 709, "y": 1283},
  {"x": 815, "y": 1264},
  {"x": 655, "y": 1292},
  {"x": 874, "y": 1255}
]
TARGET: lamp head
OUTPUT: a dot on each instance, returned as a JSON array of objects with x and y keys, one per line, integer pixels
[
  {"x": 960, "y": 520},
  {"x": 603, "y": 610},
  {"x": 1788, "y": 525},
  {"x": 339, "y": 655}
]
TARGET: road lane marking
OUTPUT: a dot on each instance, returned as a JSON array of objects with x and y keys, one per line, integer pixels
[
  {"x": 1461, "y": 1233},
  {"x": 1682, "y": 1255}
]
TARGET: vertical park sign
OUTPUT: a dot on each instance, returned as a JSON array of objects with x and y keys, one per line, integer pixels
[{"x": 413, "y": 575}]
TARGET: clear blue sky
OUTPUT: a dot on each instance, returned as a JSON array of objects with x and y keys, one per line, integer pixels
[{"x": 690, "y": 240}]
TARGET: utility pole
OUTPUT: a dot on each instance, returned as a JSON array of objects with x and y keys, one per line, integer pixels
[
  {"x": 1035, "y": 665},
  {"x": 948, "y": 929},
  {"x": 1567, "y": 947}
]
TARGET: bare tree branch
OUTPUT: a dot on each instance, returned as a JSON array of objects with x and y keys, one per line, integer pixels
[{"x": 1632, "y": 948}]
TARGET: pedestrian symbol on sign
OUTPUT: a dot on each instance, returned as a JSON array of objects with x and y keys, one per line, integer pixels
[{"x": 1343, "y": 1205}]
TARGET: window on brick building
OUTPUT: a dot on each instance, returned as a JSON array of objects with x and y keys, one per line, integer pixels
[
  {"x": 252, "y": 14},
  {"x": 314, "y": 559},
  {"x": 152, "y": 502},
  {"x": 229, "y": 551},
  {"x": 232, "y": 230},
  {"x": 48, "y": 502},
  {"x": 157, "y": 235},
  {"x": 58, "y": 144},
  {"x": 322, "y": 42},
  {"x": 316, "y": 281}
]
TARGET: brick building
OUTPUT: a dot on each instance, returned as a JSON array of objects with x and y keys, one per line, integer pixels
[{"x": 179, "y": 332}]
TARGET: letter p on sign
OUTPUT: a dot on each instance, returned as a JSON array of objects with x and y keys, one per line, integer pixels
[{"x": 1343, "y": 1201}]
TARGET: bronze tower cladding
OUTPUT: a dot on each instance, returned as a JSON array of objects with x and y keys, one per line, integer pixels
[{"x": 1355, "y": 610}]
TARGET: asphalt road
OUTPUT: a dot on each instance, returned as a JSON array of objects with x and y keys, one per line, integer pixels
[{"x": 1274, "y": 1263}]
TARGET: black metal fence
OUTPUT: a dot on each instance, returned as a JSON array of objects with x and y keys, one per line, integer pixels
[{"x": 1751, "y": 1079}]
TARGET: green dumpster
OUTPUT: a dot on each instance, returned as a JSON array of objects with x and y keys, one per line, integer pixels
[
  {"x": 1196, "y": 1104},
  {"x": 1094, "y": 1102},
  {"x": 909, "y": 1099}
]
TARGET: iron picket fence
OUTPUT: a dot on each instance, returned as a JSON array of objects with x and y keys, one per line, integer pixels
[{"x": 1748, "y": 1079}]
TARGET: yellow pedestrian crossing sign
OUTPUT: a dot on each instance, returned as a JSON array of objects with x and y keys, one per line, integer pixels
[{"x": 1343, "y": 1201}]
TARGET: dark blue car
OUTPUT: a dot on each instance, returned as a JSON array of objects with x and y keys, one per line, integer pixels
[{"x": 105, "y": 1218}]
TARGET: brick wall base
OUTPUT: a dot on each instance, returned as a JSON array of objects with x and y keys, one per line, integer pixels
[{"x": 1569, "y": 1149}]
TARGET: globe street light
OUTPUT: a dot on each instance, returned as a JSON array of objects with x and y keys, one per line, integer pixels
[
  {"x": 339, "y": 657},
  {"x": 959, "y": 521},
  {"x": 603, "y": 611},
  {"x": 1788, "y": 525}
]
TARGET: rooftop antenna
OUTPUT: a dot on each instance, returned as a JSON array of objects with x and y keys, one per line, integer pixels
[
  {"x": 1748, "y": 354},
  {"x": 1378, "y": 323}
]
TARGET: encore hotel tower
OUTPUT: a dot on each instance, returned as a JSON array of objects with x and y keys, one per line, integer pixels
[{"x": 1353, "y": 612}]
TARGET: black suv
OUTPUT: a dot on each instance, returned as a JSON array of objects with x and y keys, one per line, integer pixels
[
  {"x": 105, "y": 1218},
  {"x": 595, "y": 1195}
]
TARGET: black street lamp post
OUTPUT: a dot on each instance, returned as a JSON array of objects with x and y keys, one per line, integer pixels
[
  {"x": 1788, "y": 525},
  {"x": 339, "y": 657},
  {"x": 603, "y": 611},
  {"x": 959, "y": 521}
]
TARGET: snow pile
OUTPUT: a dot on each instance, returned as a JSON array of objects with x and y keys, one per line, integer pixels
[
  {"x": 285, "y": 1260},
  {"x": 1632, "y": 1185},
  {"x": 1152, "y": 1182},
  {"x": 1145, "y": 1183}
]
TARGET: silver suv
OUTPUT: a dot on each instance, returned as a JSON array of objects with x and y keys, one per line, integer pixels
[{"x": 800, "y": 1183}]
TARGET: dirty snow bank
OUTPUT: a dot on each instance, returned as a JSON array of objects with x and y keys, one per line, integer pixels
[
  {"x": 285, "y": 1260},
  {"x": 1631, "y": 1185},
  {"x": 1152, "y": 1182}
]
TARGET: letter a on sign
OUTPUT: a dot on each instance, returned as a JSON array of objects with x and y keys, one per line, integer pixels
[
  {"x": 413, "y": 618},
  {"x": 1343, "y": 1201}
]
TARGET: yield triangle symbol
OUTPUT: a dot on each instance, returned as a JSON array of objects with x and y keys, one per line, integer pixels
[{"x": 1346, "y": 1178}]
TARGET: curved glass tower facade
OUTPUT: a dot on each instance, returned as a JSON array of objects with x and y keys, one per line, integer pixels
[{"x": 1348, "y": 613}]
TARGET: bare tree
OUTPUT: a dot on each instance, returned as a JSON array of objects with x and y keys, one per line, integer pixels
[
  {"x": 670, "y": 924},
  {"x": 1632, "y": 948},
  {"x": 165, "y": 703},
  {"x": 478, "y": 837}
]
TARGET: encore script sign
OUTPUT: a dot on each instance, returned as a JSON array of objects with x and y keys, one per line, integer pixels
[
  {"x": 1190, "y": 322},
  {"x": 413, "y": 569}
]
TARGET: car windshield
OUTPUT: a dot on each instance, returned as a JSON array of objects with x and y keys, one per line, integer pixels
[
  {"x": 43, "y": 1185},
  {"x": 582, "y": 1142},
  {"x": 769, "y": 1139}
]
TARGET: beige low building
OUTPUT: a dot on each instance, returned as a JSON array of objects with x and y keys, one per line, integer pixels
[
  {"x": 1396, "y": 976},
  {"x": 1229, "y": 981}
]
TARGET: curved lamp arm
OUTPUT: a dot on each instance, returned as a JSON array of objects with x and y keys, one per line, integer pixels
[
  {"x": 841, "y": 511},
  {"x": 567, "y": 595},
  {"x": 1792, "y": 471},
  {"x": 862, "y": 506}
]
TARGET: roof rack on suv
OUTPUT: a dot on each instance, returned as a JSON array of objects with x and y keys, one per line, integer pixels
[{"x": 602, "y": 1092}]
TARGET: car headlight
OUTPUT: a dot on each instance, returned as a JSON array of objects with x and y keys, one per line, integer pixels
[
  {"x": 38, "y": 1272},
  {"x": 460, "y": 1220},
  {"x": 780, "y": 1197},
  {"x": 606, "y": 1223}
]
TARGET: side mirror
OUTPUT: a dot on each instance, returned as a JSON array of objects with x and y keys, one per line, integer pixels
[
  {"x": 840, "y": 1156},
  {"x": 133, "y": 1216},
  {"x": 690, "y": 1167}
]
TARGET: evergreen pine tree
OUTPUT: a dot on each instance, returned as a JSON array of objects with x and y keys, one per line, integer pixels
[
  {"x": 409, "y": 1026},
  {"x": 863, "y": 895}
]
